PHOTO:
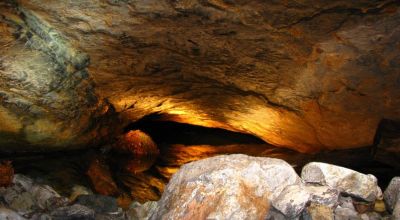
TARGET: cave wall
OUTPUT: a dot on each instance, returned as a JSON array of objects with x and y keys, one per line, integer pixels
[{"x": 308, "y": 75}]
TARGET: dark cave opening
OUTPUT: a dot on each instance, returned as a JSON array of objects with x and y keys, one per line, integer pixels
[{"x": 170, "y": 132}]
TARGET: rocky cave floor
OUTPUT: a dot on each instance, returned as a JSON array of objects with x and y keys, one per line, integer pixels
[{"x": 128, "y": 194}]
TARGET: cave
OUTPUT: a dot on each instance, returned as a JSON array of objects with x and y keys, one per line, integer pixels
[{"x": 199, "y": 109}]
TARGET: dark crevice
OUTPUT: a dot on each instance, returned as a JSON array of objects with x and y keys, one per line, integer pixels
[{"x": 169, "y": 132}]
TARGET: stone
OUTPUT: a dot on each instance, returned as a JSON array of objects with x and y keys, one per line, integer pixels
[
  {"x": 225, "y": 187},
  {"x": 374, "y": 216},
  {"x": 392, "y": 194},
  {"x": 131, "y": 147},
  {"x": 396, "y": 211},
  {"x": 75, "y": 211},
  {"x": 345, "y": 214},
  {"x": 78, "y": 190},
  {"x": 23, "y": 182},
  {"x": 346, "y": 202},
  {"x": 323, "y": 195},
  {"x": 139, "y": 211},
  {"x": 274, "y": 214},
  {"x": 345, "y": 180},
  {"x": 379, "y": 206},
  {"x": 9, "y": 214},
  {"x": 318, "y": 212},
  {"x": 292, "y": 200},
  {"x": 363, "y": 207},
  {"x": 17, "y": 197},
  {"x": 23, "y": 203},
  {"x": 316, "y": 77},
  {"x": 47, "y": 198},
  {"x": 99, "y": 203}
]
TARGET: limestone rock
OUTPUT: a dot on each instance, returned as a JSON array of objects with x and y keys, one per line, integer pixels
[
  {"x": 6, "y": 213},
  {"x": 392, "y": 194},
  {"x": 78, "y": 190},
  {"x": 18, "y": 196},
  {"x": 318, "y": 212},
  {"x": 47, "y": 198},
  {"x": 345, "y": 180},
  {"x": 73, "y": 212},
  {"x": 292, "y": 200},
  {"x": 139, "y": 211},
  {"x": 225, "y": 187},
  {"x": 346, "y": 214},
  {"x": 274, "y": 214},
  {"x": 323, "y": 195},
  {"x": 396, "y": 211}
]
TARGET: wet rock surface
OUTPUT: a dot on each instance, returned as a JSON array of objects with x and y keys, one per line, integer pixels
[{"x": 306, "y": 75}]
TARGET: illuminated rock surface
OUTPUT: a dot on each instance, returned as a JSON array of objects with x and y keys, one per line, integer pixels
[
  {"x": 307, "y": 75},
  {"x": 225, "y": 187},
  {"x": 346, "y": 180},
  {"x": 222, "y": 187}
]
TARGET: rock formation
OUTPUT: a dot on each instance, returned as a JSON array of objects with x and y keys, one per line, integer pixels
[{"x": 308, "y": 75}]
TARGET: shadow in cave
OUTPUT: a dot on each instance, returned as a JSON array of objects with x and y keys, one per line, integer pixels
[
  {"x": 169, "y": 132},
  {"x": 183, "y": 143}
]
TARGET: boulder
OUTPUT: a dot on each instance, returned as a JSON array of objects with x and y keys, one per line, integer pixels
[
  {"x": 392, "y": 194},
  {"x": 345, "y": 180},
  {"x": 131, "y": 148},
  {"x": 225, "y": 187}
]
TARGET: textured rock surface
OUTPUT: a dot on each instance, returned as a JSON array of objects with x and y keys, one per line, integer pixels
[
  {"x": 323, "y": 195},
  {"x": 392, "y": 194},
  {"x": 345, "y": 180},
  {"x": 139, "y": 211},
  {"x": 307, "y": 75},
  {"x": 47, "y": 99},
  {"x": 73, "y": 212},
  {"x": 292, "y": 200},
  {"x": 225, "y": 187}
]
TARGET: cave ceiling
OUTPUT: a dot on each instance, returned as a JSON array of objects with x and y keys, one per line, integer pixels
[{"x": 309, "y": 75}]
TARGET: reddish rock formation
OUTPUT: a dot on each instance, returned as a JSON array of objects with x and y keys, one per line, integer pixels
[{"x": 308, "y": 75}]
